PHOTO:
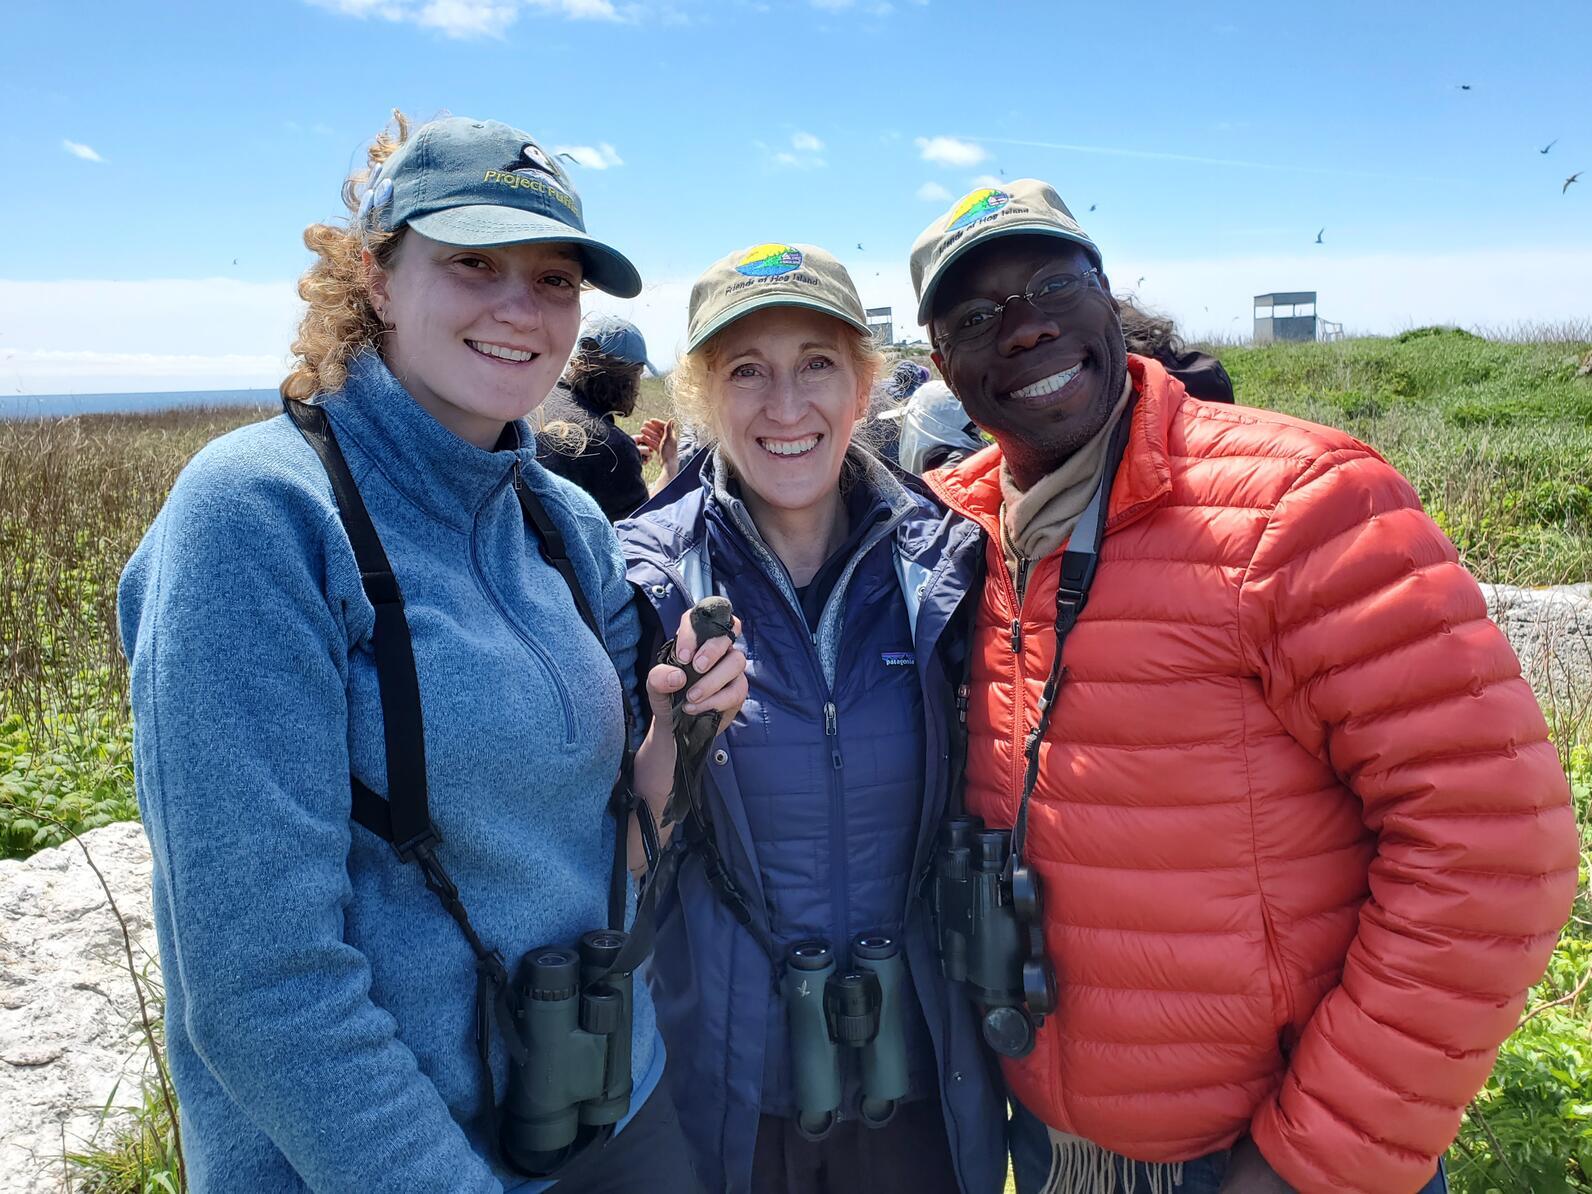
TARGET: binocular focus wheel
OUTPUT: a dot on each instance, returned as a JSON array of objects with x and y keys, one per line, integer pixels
[
  {"x": 1009, "y": 1031},
  {"x": 1039, "y": 987}
]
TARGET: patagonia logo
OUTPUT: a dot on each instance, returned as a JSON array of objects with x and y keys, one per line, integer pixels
[
  {"x": 985, "y": 201},
  {"x": 898, "y": 658},
  {"x": 769, "y": 261}
]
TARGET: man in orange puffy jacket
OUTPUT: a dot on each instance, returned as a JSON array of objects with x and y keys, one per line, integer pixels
[{"x": 1303, "y": 841}]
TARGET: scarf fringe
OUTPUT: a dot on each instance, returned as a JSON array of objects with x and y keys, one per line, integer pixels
[{"x": 1079, "y": 1166}]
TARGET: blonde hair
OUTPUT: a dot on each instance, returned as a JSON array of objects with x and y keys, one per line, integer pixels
[
  {"x": 341, "y": 321},
  {"x": 689, "y": 384}
]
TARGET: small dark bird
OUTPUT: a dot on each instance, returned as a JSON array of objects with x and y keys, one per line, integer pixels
[
  {"x": 1464, "y": 86},
  {"x": 1091, "y": 207},
  {"x": 860, "y": 249},
  {"x": 1318, "y": 236},
  {"x": 711, "y": 618},
  {"x": 1003, "y": 172},
  {"x": 1569, "y": 180},
  {"x": 234, "y": 261},
  {"x": 1549, "y": 145}
]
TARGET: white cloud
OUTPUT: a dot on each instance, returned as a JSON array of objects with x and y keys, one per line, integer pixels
[
  {"x": 470, "y": 19},
  {"x": 78, "y": 150},
  {"x": 803, "y": 154},
  {"x": 593, "y": 157},
  {"x": 806, "y": 142},
  {"x": 948, "y": 151},
  {"x": 466, "y": 19},
  {"x": 933, "y": 192},
  {"x": 579, "y": 10},
  {"x": 832, "y": 5}
]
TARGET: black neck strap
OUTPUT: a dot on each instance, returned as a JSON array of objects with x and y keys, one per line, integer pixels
[
  {"x": 1078, "y": 564},
  {"x": 403, "y": 816}
]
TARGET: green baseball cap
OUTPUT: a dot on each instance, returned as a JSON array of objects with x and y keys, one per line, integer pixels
[
  {"x": 774, "y": 274},
  {"x": 481, "y": 183},
  {"x": 1025, "y": 205}
]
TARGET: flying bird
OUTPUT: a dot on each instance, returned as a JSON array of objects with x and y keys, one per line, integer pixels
[
  {"x": 1318, "y": 236},
  {"x": 1549, "y": 145},
  {"x": 1091, "y": 207},
  {"x": 860, "y": 249},
  {"x": 1464, "y": 86},
  {"x": 1569, "y": 180}
]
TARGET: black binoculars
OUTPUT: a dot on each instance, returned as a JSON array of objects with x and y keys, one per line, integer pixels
[
  {"x": 989, "y": 912},
  {"x": 576, "y": 1036},
  {"x": 858, "y": 1010}
]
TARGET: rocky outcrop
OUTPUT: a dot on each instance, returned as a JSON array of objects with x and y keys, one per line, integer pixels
[
  {"x": 70, "y": 1042},
  {"x": 1551, "y": 631}
]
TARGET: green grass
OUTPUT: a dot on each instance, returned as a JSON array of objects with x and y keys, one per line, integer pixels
[{"x": 1495, "y": 437}]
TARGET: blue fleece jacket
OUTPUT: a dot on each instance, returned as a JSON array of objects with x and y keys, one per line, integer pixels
[{"x": 319, "y": 1001}]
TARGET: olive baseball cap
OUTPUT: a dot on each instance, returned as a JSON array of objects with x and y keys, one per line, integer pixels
[
  {"x": 481, "y": 183},
  {"x": 1025, "y": 205},
  {"x": 770, "y": 275}
]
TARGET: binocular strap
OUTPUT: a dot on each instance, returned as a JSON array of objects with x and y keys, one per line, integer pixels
[{"x": 1078, "y": 564}]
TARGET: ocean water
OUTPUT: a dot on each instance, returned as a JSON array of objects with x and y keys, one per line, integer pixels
[{"x": 40, "y": 406}]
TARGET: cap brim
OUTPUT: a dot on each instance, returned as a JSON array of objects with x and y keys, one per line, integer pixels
[
  {"x": 484, "y": 225},
  {"x": 933, "y": 284},
  {"x": 758, "y": 303}
]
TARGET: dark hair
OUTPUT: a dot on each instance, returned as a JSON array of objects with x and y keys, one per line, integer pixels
[
  {"x": 604, "y": 383},
  {"x": 1148, "y": 335}
]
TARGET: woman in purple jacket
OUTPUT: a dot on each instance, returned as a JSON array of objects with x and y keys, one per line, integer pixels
[{"x": 818, "y": 813}]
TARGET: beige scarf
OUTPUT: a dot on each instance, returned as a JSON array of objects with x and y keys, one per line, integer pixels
[
  {"x": 1038, "y": 521},
  {"x": 1079, "y": 1166}
]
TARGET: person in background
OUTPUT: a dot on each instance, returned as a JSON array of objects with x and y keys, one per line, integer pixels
[
  {"x": 1156, "y": 337},
  {"x": 600, "y": 384},
  {"x": 935, "y": 430},
  {"x": 826, "y": 794},
  {"x": 322, "y": 1020},
  {"x": 884, "y": 431},
  {"x": 1302, "y": 841}
]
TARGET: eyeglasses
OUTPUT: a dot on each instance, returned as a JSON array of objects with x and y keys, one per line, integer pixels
[{"x": 973, "y": 324}]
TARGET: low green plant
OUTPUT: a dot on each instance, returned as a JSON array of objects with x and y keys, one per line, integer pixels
[
  {"x": 141, "y": 1157},
  {"x": 73, "y": 772}
]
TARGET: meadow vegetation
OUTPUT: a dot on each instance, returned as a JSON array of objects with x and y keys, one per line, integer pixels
[{"x": 1495, "y": 434}]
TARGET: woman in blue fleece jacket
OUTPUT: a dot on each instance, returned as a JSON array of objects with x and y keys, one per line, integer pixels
[{"x": 320, "y": 1016}]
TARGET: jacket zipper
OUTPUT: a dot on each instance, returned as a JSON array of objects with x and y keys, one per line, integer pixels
[{"x": 537, "y": 651}]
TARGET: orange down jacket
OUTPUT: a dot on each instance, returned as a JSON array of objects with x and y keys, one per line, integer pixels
[{"x": 1305, "y": 844}]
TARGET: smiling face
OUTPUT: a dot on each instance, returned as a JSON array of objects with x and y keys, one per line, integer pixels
[
  {"x": 479, "y": 336},
  {"x": 784, "y": 393},
  {"x": 1043, "y": 385}
]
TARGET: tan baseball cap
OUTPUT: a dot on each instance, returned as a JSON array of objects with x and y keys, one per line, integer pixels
[
  {"x": 770, "y": 275},
  {"x": 1025, "y": 205}
]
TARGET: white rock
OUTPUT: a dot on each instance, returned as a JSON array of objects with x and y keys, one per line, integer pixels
[
  {"x": 1551, "y": 631},
  {"x": 69, "y": 1036}
]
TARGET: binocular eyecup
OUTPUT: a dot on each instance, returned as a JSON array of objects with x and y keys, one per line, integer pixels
[
  {"x": 989, "y": 913},
  {"x": 858, "y": 1010},
  {"x": 573, "y": 1018}
]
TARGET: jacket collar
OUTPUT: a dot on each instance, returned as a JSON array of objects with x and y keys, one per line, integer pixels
[
  {"x": 1143, "y": 481},
  {"x": 444, "y": 475}
]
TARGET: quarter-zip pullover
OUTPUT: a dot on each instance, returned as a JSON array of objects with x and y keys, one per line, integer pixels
[{"x": 319, "y": 1000}]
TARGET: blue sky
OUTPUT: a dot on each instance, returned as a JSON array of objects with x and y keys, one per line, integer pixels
[{"x": 162, "y": 160}]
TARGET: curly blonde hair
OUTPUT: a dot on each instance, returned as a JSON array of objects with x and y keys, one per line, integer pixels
[
  {"x": 341, "y": 321},
  {"x": 688, "y": 385}
]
